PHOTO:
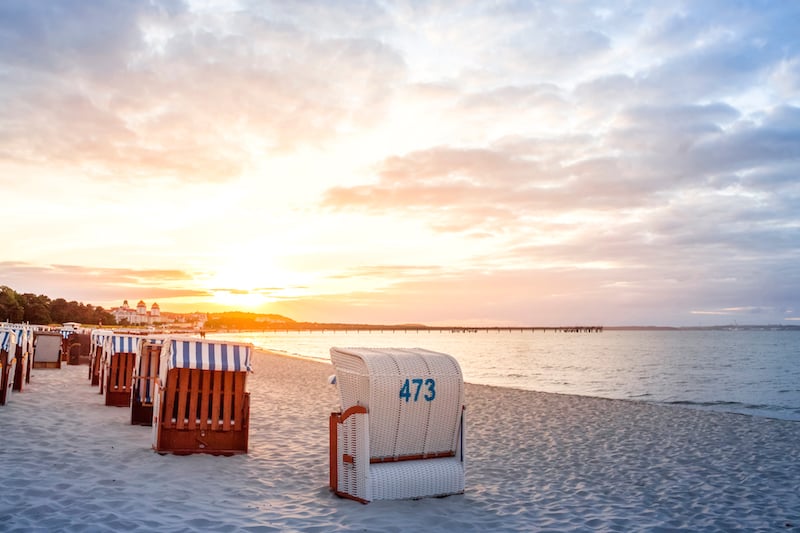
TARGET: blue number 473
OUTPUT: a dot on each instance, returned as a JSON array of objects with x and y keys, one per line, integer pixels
[{"x": 416, "y": 384}]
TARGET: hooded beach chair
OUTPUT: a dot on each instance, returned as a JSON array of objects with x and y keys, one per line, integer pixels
[
  {"x": 24, "y": 356},
  {"x": 96, "y": 351},
  {"x": 31, "y": 353},
  {"x": 120, "y": 355},
  {"x": 47, "y": 349},
  {"x": 145, "y": 379},
  {"x": 202, "y": 405},
  {"x": 8, "y": 360},
  {"x": 400, "y": 433}
]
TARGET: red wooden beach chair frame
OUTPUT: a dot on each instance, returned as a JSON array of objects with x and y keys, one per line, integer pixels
[
  {"x": 94, "y": 365},
  {"x": 203, "y": 411}
]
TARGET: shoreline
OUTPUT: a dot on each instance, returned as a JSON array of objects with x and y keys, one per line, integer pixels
[
  {"x": 651, "y": 367},
  {"x": 535, "y": 461}
]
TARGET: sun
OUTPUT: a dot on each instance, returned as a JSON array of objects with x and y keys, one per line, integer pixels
[
  {"x": 240, "y": 299},
  {"x": 248, "y": 284}
]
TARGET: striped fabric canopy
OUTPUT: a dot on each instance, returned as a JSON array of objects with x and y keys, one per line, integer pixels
[
  {"x": 8, "y": 339},
  {"x": 125, "y": 343},
  {"x": 207, "y": 355},
  {"x": 22, "y": 334}
]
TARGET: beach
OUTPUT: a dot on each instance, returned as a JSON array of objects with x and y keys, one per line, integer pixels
[{"x": 535, "y": 462}]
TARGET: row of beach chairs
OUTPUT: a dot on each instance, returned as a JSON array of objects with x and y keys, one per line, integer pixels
[
  {"x": 21, "y": 349},
  {"x": 192, "y": 392},
  {"x": 24, "y": 347},
  {"x": 399, "y": 433}
]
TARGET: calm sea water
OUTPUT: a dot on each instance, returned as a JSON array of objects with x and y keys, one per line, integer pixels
[{"x": 744, "y": 371}]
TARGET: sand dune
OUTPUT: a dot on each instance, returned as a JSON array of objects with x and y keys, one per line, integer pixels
[{"x": 536, "y": 462}]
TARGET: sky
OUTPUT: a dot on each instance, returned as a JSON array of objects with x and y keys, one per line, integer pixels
[{"x": 445, "y": 163}]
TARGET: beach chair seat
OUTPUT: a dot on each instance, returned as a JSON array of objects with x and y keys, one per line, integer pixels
[
  {"x": 119, "y": 360},
  {"x": 202, "y": 403},
  {"x": 47, "y": 349},
  {"x": 145, "y": 380},
  {"x": 400, "y": 433}
]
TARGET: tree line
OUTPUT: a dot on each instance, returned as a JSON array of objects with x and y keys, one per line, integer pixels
[{"x": 40, "y": 309}]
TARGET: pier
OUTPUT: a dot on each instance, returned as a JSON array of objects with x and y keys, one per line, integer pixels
[{"x": 332, "y": 328}]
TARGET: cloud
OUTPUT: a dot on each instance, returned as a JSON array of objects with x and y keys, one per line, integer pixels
[
  {"x": 152, "y": 92},
  {"x": 651, "y": 153},
  {"x": 634, "y": 155},
  {"x": 97, "y": 285}
]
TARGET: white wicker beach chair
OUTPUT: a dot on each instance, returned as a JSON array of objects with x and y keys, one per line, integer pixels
[{"x": 400, "y": 433}]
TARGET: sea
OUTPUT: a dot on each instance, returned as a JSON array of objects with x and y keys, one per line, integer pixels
[{"x": 748, "y": 371}]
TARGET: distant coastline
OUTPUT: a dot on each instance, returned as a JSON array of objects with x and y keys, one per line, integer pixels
[{"x": 322, "y": 326}]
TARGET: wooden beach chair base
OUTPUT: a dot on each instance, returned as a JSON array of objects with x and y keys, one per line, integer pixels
[
  {"x": 47, "y": 364},
  {"x": 120, "y": 375},
  {"x": 203, "y": 411},
  {"x": 141, "y": 413}
]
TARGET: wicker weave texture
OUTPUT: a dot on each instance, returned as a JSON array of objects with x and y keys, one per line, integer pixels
[{"x": 415, "y": 479}]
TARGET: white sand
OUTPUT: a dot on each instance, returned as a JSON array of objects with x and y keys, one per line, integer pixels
[{"x": 535, "y": 462}]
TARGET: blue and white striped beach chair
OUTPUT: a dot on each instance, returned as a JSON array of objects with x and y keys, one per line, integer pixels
[
  {"x": 202, "y": 405},
  {"x": 119, "y": 355}
]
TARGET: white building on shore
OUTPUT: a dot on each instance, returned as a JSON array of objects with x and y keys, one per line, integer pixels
[{"x": 138, "y": 316}]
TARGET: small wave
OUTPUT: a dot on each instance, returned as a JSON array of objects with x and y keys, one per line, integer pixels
[
  {"x": 762, "y": 410},
  {"x": 716, "y": 403}
]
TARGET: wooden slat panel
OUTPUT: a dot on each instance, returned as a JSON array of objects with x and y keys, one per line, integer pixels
[
  {"x": 195, "y": 376},
  {"x": 227, "y": 401},
  {"x": 216, "y": 403},
  {"x": 205, "y": 401},
  {"x": 127, "y": 378},
  {"x": 169, "y": 393},
  {"x": 183, "y": 391},
  {"x": 113, "y": 370},
  {"x": 238, "y": 400}
]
